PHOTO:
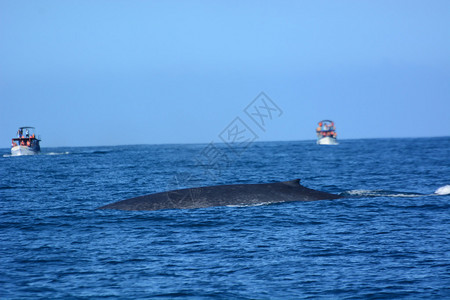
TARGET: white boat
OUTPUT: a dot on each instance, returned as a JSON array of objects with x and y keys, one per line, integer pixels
[
  {"x": 326, "y": 133},
  {"x": 26, "y": 142},
  {"x": 327, "y": 141}
]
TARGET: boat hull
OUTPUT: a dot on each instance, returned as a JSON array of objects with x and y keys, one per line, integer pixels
[
  {"x": 327, "y": 141},
  {"x": 24, "y": 150}
]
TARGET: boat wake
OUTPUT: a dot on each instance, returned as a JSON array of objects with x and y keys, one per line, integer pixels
[
  {"x": 48, "y": 153},
  {"x": 56, "y": 153}
]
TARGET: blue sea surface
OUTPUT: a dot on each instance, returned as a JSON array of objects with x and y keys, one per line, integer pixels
[{"x": 389, "y": 237}]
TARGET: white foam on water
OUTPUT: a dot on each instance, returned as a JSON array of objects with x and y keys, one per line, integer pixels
[
  {"x": 361, "y": 193},
  {"x": 443, "y": 190},
  {"x": 56, "y": 153},
  {"x": 250, "y": 205},
  {"x": 401, "y": 195},
  {"x": 379, "y": 193},
  {"x": 48, "y": 153}
]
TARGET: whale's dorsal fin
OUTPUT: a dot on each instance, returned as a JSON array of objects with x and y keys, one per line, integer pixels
[{"x": 295, "y": 182}]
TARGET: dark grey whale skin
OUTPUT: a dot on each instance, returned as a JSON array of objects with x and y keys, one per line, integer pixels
[{"x": 223, "y": 195}]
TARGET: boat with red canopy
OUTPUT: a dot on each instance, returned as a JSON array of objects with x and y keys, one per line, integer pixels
[
  {"x": 326, "y": 133},
  {"x": 26, "y": 142}
]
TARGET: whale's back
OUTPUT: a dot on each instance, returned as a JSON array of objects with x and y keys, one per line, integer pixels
[{"x": 222, "y": 195}]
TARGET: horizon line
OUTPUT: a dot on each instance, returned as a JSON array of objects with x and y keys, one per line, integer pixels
[{"x": 222, "y": 143}]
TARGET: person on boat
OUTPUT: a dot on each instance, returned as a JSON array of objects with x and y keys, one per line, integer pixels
[
  {"x": 13, "y": 143},
  {"x": 27, "y": 133},
  {"x": 319, "y": 129},
  {"x": 22, "y": 143},
  {"x": 28, "y": 143}
]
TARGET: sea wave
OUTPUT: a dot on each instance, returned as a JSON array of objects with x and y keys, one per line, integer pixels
[{"x": 6, "y": 187}]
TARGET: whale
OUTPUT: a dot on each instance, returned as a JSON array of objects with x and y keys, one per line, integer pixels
[{"x": 223, "y": 195}]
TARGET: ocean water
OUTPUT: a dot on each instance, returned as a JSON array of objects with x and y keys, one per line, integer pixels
[{"x": 389, "y": 237}]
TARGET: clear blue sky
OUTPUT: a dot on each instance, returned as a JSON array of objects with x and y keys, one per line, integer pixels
[{"x": 93, "y": 72}]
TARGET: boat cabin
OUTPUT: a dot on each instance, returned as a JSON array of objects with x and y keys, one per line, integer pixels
[
  {"x": 326, "y": 128},
  {"x": 26, "y": 136}
]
